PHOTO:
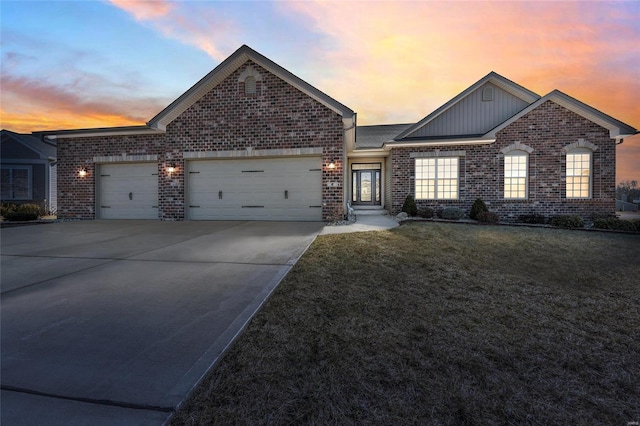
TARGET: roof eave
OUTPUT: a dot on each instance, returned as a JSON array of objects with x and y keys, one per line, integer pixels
[
  {"x": 440, "y": 142},
  {"x": 103, "y": 131}
]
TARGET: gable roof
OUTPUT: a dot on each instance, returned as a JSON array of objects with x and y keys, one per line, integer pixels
[
  {"x": 224, "y": 70},
  {"x": 158, "y": 124},
  {"x": 494, "y": 78},
  {"x": 617, "y": 129},
  {"x": 46, "y": 150}
]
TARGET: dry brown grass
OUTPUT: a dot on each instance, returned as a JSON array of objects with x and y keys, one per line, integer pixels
[{"x": 437, "y": 323}]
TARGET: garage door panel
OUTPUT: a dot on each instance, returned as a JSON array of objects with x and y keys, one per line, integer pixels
[
  {"x": 263, "y": 189},
  {"x": 128, "y": 191}
]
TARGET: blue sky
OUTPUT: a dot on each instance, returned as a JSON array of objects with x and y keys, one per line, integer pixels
[{"x": 76, "y": 64}]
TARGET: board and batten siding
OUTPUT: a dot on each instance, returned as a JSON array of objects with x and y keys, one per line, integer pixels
[{"x": 472, "y": 115}]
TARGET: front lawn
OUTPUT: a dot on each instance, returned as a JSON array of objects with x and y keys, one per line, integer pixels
[{"x": 435, "y": 323}]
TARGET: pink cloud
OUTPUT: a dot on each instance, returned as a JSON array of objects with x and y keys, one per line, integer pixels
[
  {"x": 398, "y": 61},
  {"x": 32, "y": 102},
  {"x": 144, "y": 10},
  {"x": 192, "y": 24}
]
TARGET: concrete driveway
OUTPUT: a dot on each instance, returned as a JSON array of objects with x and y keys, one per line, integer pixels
[{"x": 114, "y": 322}]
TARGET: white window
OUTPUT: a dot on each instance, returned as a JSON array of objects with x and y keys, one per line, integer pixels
[
  {"x": 437, "y": 178},
  {"x": 579, "y": 174},
  {"x": 515, "y": 175},
  {"x": 16, "y": 183}
]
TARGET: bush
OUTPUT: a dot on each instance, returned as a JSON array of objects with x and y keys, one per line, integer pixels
[
  {"x": 23, "y": 212},
  {"x": 617, "y": 224},
  {"x": 537, "y": 219},
  {"x": 6, "y": 208},
  {"x": 409, "y": 206},
  {"x": 478, "y": 207},
  {"x": 452, "y": 213},
  {"x": 488, "y": 217},
  {"x": 426, "y": 213},
  {"x": 568, "y": 221}
]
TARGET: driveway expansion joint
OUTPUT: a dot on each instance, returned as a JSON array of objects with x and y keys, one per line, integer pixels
[{"x": 108, "y": 402}]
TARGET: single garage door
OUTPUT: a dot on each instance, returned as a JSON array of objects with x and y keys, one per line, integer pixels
[
  {"x": 128, "y": 191},
  {"x": 255, "y": 189}
]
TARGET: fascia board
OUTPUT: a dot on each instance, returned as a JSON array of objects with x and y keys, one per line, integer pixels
[
  {"x": 106, "y": 131},
  {"x": 483, "y": 141}
]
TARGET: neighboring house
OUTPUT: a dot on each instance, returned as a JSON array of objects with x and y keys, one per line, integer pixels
[
  {"x": 251, "y": 141},
  {"x": 28, "y": 170}
]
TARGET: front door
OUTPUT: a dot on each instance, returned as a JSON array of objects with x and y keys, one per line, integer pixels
[{"x": 365, "y": 187}]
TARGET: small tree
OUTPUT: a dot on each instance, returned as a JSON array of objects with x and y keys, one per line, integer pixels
[
  {"x": 478, "y": 207},
  {"x": 409, "y": 206}
]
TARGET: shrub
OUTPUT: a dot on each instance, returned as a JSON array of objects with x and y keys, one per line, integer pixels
[
  {"x": 452, "y": 213},
  {"x": 617, "y": 224},
  {"x": 409, "y": 206},
  {"x": 478, "y": 207},
  {"x": 427, "y": 213},
  {"x": 23, "y": 212},
  {"x": 568, "y": 221},
  {"x": 6, "y": 208},
  {"x": 532, "y": 219},
  {"x": 488, "y": 217}
]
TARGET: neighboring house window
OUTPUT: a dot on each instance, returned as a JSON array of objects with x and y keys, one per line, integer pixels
[
  {"x": 250, "y": 86},
  {"x": 515, "y": 175},
  {"x": 16, "y": 183},
  {"x": 579, "y": 173},
  {"x": 436, "y": 178}
]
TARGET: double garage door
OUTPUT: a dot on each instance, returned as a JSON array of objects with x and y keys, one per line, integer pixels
[{"x": 255, "y": 189}]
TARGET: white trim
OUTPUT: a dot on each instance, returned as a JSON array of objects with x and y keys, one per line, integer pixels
[
  {"x": 440, "y": 143},
  {"x": 250, "y": 152},
  {"x": 125, "y": 158}
]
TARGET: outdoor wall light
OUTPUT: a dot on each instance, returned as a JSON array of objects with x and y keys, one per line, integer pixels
[
  {"x": 171, "y": 169},
  {"x": 82, "y": 172},
  {"x": 332, "y": 164}
]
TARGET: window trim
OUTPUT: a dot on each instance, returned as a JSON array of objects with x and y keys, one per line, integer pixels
[
  {"x": 516, "y": 153},
  {"x": 572, "y": 152},
  {"x": 436, "y": 178},
  {"x": 11, "y": 168}
]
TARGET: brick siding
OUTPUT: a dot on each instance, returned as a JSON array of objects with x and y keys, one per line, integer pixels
[
  {"x": 548, "y": 129},
  {"x": 277, "y": 116}
]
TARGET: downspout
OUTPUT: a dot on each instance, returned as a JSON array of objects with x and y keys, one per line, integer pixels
[{"x": 345, "y": 163}]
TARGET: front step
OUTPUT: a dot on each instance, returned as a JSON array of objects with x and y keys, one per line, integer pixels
[{"x": 369, "y": 211}]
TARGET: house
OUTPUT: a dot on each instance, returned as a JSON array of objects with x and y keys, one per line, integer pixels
[
  {"x": 251, "y": 141},
  {"x": 521, "y": 153},
  {"x": 28, "y": 167}
]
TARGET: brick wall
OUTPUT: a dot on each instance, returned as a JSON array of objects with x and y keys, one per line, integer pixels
[
  {"x": 277, "y": 116},
  {"x": 548, "y": 130}
]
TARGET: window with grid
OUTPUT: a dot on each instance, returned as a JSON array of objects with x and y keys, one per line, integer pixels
[
  {"x": 16, "y": 183},
  {"x": 579, "y": 175},
  {"x": 436, "y": 178},
  {"x": 515, "y": 176}
]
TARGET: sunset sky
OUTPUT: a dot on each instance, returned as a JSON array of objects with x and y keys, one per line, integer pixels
[{"x": 79, "y": 64}]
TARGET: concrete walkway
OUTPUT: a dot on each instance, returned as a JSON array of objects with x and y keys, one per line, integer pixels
[{"x": 362, "y": 224}]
